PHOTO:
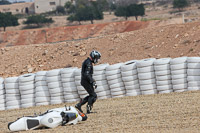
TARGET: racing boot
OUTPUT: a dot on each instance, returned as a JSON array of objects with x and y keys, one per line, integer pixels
[
  {"x": 78, "y": 106},
  {"x": 89, "y": 109},
  {"x": 82, "y": 102}
]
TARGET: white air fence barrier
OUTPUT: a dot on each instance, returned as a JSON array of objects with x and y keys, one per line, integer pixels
[{"x": 132, "y": 78}]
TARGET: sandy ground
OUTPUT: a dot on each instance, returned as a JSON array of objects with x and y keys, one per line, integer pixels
[
  {"x": 160, "y": 113},
  {"x": 157, "y": 42}
]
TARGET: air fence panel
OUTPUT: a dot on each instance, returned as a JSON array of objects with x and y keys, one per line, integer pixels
[
  {"x": 130, "y": 78},
  {"x": 193, "y": 73},
  {"x": 103, "y": 90},
  {"x": 2, "y": 94},
  {"x": 114, "y": 78},
  {"x": 53, "y": 78},
  {"x": 163, "y": 75},
  {"x": 69, "y": 87},
  {"x": 146, "y": 76},
  {"x": 12, "y": 95},
  {"x": 178, "y": 68},
  {"x": 27, "y": 90},
  {"x": 42, "y": 95}
]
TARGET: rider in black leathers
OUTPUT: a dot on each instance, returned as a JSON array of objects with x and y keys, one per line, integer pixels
[{"x": 88, "y": 82}]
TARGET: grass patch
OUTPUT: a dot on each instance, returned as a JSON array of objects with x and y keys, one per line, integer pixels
[{"x": 149, "y": 19}]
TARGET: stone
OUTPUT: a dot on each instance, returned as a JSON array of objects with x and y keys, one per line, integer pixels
[
  {"x": 77, "y": 44},
  {"x": 177, "y": 36},
  {"x": 175, "y": 46},
  {"x": 149, "y": 55},
  {"x": 76, "y": 54},
  {"x": 186, "y": 35},
  {"x": 45, "y": 52},
  {"x": 38, "y": 60},
  {"x": 30, "y": 70},
  {"x": 83, "y": 53},
  {"x": 111, "y": 53},
  {"x": 75, "y": 60},
  {"x": 28, "y": 66}
]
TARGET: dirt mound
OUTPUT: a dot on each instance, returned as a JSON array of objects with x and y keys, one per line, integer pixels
[
  {"x": 49, "y": 35},
  {"x": 158, "y": 42}
]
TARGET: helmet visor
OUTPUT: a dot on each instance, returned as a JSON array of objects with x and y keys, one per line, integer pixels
[{"x": 96, "y": 61}]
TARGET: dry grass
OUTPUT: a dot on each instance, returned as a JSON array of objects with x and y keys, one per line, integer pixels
[{"x": 174, "y": 112}]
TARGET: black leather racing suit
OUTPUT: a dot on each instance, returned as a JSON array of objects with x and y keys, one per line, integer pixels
[{"x": 87, "y": 82}]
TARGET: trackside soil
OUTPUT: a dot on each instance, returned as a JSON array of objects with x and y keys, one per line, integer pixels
[{"x": 159, "y": 113}]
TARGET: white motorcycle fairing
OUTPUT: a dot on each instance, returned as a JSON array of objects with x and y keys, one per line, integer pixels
[
  {"x": 50, "y": 119},
  {"x": 70, "y": 110},
  {"x": 25, "y": 123}
]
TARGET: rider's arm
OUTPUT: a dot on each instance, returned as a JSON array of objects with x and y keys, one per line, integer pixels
[{"x": 88, "y": 73}]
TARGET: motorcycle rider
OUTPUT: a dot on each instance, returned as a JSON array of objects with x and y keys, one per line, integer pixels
[{"x": 88, "y": 82}]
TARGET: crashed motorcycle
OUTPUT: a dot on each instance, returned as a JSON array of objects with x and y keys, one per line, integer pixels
[{"x": 50, "y": 119}]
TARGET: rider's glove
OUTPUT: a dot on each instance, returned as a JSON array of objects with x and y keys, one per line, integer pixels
[{"x": 94, "y": 85}]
